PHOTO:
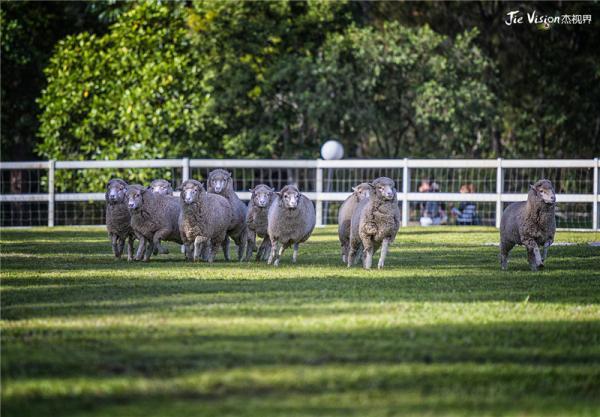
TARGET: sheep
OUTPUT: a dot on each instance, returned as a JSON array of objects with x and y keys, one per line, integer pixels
[
  {"x": 153, "y": 217},
  {"x": 375, "y": 223},
  {"x": 256, "y": 220},
  {"x": 530, "y": 223},
  {"x": 118, "y": 220},
  {"x": 291, "y": 220},
  {"x": 161, "y": 186},
  {"x": 360, "y": 192},
  {"x": 220, "y": 182},
  {"x": 203, "y": 221}
]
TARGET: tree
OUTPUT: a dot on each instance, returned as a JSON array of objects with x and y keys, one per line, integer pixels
[{"x": 397, "y": 91}]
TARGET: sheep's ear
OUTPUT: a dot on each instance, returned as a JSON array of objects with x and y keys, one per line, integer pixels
[
  {"x": 354, "y": 188},
  {"x": 251, "y": 190},
  {"x": 272, "y": 189},
  {"x": 532, "y": 187}
]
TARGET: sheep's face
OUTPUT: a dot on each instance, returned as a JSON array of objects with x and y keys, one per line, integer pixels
[
  {"x": 290, "y": 198},
  {"x": 218, "y": 181},
  {"x": 262, "y": 196},
  {"x": 162, "y": 187},
  {"x": 362, "y": 191},
  {"x": 115, "y": 191},
  {"x": 191, "y": 192},
  {"x": 384, "y": 188},
  {"x": 545, "y": 191},
  {"x": 135, "y": 198}
]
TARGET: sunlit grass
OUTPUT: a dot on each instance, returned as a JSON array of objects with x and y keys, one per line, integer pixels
[{"x": 440, "y": 331}]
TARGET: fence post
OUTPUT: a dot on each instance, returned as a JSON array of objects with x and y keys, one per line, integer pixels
[
  {"x": 595, "y": 204},
  {"x": 405, "y": 190},
  {"x": 499, "y": 189},
  {"x": 185, "y": 170},
  {"x": 319, "y": 190},
  {"x": 51, "y": 164}
]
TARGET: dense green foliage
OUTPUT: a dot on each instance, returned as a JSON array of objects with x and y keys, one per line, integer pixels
[
  {"x": 440, "y": 331},
  {"x": 276, "y": 79}
]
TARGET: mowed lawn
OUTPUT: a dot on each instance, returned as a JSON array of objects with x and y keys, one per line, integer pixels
[{"x": 440, "y": 331}]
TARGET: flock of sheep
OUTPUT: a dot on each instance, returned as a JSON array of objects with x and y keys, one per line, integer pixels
[{"x": 204, "y": 220}]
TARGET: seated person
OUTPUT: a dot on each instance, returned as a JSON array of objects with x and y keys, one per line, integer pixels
[
  {"x": 466, "y": 212},
  {"x": 435, "y": 211}
]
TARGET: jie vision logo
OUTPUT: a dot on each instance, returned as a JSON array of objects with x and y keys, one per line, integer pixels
[{"x": 516, "y": 17}]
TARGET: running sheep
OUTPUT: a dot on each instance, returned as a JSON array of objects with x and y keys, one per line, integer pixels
[
  {"x": 375, "y": 223},
  {"x": 257, "y": 220},
  {"x": 359, "y": 193},
  {"x": 118, "y": 220},
  {"x": 203, "y": 221},
  {"x": 530, "y": 223},
  {"x": 154, "y": 217},
  {"x": 291, "y": 220},
  {"x": 220, "y": 182}
]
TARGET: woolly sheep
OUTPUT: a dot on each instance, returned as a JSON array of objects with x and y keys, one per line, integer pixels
[
  {"x": 360, "y": 192},
  {"x": 153, "y": 217},
  {"x": 220, "y": 182},
  {"x": 375, "y": 223},
  {"x": 118, "y": 220},
  {"x": 291, "y": 220},
  {"x": 203, "y": 221},
  {"x": 161, "y": 186},
  {"x": 530, "y": 223},
  {"x": 257, "y": 219}
]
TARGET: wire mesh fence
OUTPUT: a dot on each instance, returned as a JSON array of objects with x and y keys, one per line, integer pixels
[{"x": 74, "y": 191}]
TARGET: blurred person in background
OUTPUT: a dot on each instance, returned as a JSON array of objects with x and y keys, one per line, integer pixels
[
  {"x": 466, "y": 212},
  {"x": 435, "y": 211}
]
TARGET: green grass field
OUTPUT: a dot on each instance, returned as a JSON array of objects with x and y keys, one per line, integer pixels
[{"x": 440, "y": 331}]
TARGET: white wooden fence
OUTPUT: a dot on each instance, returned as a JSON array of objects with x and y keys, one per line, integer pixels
[{"x": 320, "y": 195}]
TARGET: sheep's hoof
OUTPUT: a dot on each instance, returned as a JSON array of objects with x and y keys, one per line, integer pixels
[
  {"x": 541, "y": 265},
  {"x": 380, "y": 266},
  {"x": 276, "y": 263}
]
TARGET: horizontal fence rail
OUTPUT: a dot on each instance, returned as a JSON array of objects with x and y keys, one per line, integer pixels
[{"x": 499, "y": 178}]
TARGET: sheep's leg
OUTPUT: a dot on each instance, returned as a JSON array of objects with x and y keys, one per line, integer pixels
[
  {"x": 267, "y": 249},
  {"x": 282, "y": 248},
  {"x": 351, "y": 254},
  {"x": 242, "y": 245},
  {"x": 295, "y": 254},
  {"x": 368, "y": 259},
  {"x": 384, "y": 250},
  {"x": 114, "y": 244},
  {"x": 344, "y": 252},
  {"x": 251, "y": 244},
  {"x": 130, "y": 248},
  {"x": 120, "y": 247},
  {"x": 200, "y": 245},
  {"x": 274, "y": 244},
  {"x": 261, "y": 249},
  {"x": 160, "y": 249},
  {"x": 141, "y": 248},
  {"x": 505, "y": 248},
  {"x": 149, "y": 250},
  {"x": 533, "y": 254},
  {"x": 225, "y": 246},
  {"x": 158, "y": 236}
]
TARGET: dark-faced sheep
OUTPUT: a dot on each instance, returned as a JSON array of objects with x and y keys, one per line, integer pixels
[
  {"x": 375, "y": 223},
  {"x": 220, "y": 182},
  {"x": 203, "y": 221},
  {"x": 154, "y": 217},
  {"x": 359, "y": 193},
  {"x": 530, "y": 223},
  {"x": 291, "y": 221},
  {"x": 257, "y": 220},
  {"x": 161, "y": 186},
  {"x": 118, "y": 220}
]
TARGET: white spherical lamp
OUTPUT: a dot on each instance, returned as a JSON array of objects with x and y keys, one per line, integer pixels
[{"x": 332, "y": 149}]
